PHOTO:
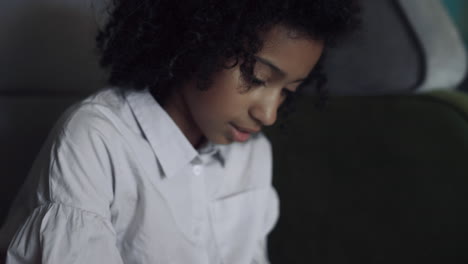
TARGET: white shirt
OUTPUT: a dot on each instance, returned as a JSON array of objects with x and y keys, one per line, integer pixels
[{"x": 118, "y": 182}]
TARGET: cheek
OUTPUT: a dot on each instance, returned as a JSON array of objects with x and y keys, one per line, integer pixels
[
  {"x": 209, "y": 104},
  {"x": 209, "y": 107},
  {"x": 220, "y": 104},
  {"x": 226, "y": 94},
  {"x": 224, "y": 101}
]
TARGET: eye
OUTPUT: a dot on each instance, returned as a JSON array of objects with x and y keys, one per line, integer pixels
[{"x": 256, "y": 81}]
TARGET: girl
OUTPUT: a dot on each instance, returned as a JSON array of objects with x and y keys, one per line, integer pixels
[{"x": 167, "y": 164}]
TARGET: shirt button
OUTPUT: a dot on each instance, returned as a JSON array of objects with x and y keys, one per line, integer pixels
[{"x": 197, "y": 169}]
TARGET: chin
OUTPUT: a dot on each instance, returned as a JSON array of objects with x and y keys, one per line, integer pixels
[
  {"x": 221, "y": 140},
  {"x": 224, "y": 141}
]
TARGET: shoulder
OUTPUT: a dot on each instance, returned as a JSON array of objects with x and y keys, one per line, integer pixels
[
  {"x": 80, "y": 159},
  {"x": 261, "y": 153},
  {"x": 102, "y": 113},
  {"x": 260, "y": 143},
  {"x": 249, "y": 163},
  {"x": 258, "y": 148},
  {"x": 86, "y": 136}
]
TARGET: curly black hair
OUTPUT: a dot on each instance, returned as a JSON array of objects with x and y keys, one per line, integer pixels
[{"x": 161, "y": 44}]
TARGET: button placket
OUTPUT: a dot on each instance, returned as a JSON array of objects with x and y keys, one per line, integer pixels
[{"x": 198, "y": 200}]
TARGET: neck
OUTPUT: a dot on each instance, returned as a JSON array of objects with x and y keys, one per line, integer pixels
[{"x": 178, "y": 110}]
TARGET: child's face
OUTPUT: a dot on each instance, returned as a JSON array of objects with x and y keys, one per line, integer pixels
[{"x": 226, "y": 112}]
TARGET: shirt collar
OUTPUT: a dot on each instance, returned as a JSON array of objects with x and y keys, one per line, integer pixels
[
  {"x": 210, "y": 151},
  {"x": 169, "y": 144}
]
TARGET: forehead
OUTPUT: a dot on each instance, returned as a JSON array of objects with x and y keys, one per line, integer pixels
[{"x": 291, "y": 51}]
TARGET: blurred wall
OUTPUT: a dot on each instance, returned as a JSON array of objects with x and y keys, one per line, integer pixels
[{"x": 49, "y": 45}]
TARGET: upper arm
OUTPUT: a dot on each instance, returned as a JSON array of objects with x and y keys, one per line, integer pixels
[
  {"x": 71, "y": 223},
  {"x": 80, "y": 172}
]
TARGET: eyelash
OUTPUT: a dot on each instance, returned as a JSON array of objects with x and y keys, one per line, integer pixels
[{"x": 257, "y": 82}]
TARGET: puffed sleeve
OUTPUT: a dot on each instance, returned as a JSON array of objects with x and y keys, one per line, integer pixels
[
  {"x": 56, "y": 233},
  {"x": 71, "y": 223}
]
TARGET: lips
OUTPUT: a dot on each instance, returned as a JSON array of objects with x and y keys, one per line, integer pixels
[
  {"x": 242, "y": 134},
  {"x": 246, "y": 130}
]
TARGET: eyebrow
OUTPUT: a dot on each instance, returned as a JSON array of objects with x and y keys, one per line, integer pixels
[{"x": 275, "y": 68}]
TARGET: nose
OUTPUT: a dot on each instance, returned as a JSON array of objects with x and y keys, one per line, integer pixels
[{"x": 264, "y": 110}]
